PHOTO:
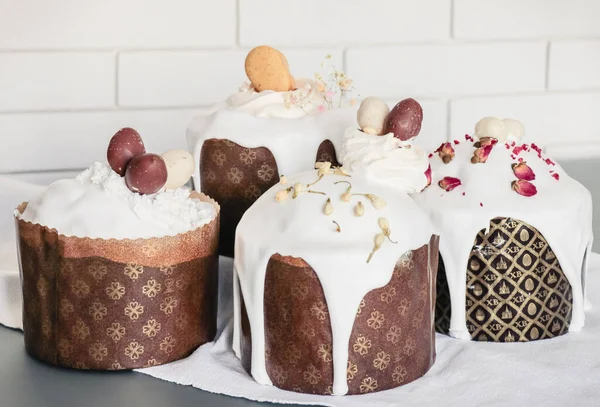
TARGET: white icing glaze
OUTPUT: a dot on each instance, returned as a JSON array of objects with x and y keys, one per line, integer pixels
[
  {"x": 293, "y": 143},
  {"x": 385, "y": 159},
  {"x": 98, "y": 204},
  {"x": 305, "y": 100},
  {"x": 561, "y": 211},
  {"x": 299, "y": 228}
]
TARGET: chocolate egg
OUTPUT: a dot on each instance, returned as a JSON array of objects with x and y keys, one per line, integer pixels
[
  {"x": 404, "y": 120},
  {"x": 180, "y": 167},
  {"x": 146, "y": 173},
  {"x": 123, "y": 146},
  {"x": 371, "y": 115}
]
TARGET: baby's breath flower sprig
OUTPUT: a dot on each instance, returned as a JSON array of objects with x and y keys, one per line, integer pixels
[
  {"x": 385, "y": 227},
  {"x": 376, "y": 201},
  {"x": 338, "y": 228},
  {"x": 379, "y": 239},
  {"x": 334, "y": 82}
]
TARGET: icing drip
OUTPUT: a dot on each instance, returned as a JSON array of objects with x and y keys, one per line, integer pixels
[
  {"x": 298, "y": 227},
  {"x": 305, "y": 100},
  {"x": 294, "y": 144},
  {"x": 385, "y": 159},
  {"x": 561, "y": 210}
]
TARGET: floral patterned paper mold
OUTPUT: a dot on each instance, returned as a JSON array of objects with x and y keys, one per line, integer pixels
[{"x": 111, "y": 304}]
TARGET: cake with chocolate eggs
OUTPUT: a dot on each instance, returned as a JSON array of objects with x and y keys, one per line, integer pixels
[
  {"x": 119, "y": 265},
  {"x": 274, "y": 125},
  {"x": 515, "y": 235},
  {"x": 334, "y": 275}
]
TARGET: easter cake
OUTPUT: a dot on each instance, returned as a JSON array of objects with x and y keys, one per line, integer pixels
[
  {"x": 119, "y": 265},
  {"x": 515, "y": 235},
  {"x": 275, "y": 125},
  {"x": 334, "y": 273}
]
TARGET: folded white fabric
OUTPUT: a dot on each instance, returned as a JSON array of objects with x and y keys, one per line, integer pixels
[{"x": 556, "y": 372}]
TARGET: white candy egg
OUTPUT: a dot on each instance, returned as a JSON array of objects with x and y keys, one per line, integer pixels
[
  {"x": 514, "y": 129},
  {"x": 371, "y": 115},
  {"x": 501, "y": 129},
  {"x": 180, "y": 167}
]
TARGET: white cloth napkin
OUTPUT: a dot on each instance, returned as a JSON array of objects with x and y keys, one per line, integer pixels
[{"x": 557, "y": 372}]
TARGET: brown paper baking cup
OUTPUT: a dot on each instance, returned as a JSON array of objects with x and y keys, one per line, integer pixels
[
  {"x": 516, "y": 289},
  {"x": 117, "y": 304},
  {"x": 392, "y": 341},
  {"x": 236, "y": 176}
]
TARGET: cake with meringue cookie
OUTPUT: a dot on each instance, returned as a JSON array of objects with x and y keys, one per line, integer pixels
[
  {"x": 334, "y": 268},
  {"x": 515, "y": 237},
  {"x": 274, "y": 125}
]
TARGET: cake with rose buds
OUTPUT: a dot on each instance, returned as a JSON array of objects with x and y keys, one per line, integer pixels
[
  {"x": 515, "y": 237},
  {"x": 274, "y": 125},
  {"x": 334, "y": 281},
  {"x": 119, "y": 265}
]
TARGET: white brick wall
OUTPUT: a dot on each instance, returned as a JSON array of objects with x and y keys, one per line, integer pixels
[{"x": 74, "y": 71}]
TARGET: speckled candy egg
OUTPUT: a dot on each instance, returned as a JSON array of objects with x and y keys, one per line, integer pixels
[
  {"x": 371, "y": 115},
  {"x": 180, "y": 167},
  {"x": 146, "y": 174},
  {"x": 404, "y": 120},
  {"x": 123, "y": 146}
]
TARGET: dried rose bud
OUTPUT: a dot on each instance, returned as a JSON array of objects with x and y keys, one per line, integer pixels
[
  {"x": 377, "y": 202},
  {"x": 324, "y": 169},
  {"x": 428, "y": 175},
  {"x": 524, "y": 188},
  {"x": 283, "y": 180},
  {"x": 523, "y": 171},
  {"x": 449, "y": 183},
  {"x": 482, "y": 153},
  {"x": 328, "y": 208},
  {"x": 282, "y": 195},
  {"x": 446, "y": 152},
  {"x": 359, "y": 209},
  {"x": 298, "y": 189},
  {"x": 485, "y": 141}
]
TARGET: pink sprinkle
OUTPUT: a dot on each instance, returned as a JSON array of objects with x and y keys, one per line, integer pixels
[
  {"x": 507, "y": 146},
  {"x": 549, "y": 162},
  {"x": 513, "y": 144},
  {"x": 556, "y": 176},
  {"x": 464, "y": 193},
  {"x": 481, "y": 204},
  {"x": 456, "y": 142}
]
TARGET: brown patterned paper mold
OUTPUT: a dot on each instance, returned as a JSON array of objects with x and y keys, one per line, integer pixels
[
  {"x": 117, "y": 304},
  {"x": 236, "y": 176},
  {"x": 516, "y": 288},
  {"x": 392, "y": 341}
]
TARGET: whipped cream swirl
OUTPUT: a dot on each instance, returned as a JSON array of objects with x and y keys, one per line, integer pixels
[
  {"x": 305, "y": 100},
  {"x": 385, "y": 159}
]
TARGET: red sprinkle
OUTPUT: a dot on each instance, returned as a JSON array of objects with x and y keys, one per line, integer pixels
[
  {"x": 507, "y": 146},
  {"x": 549, "y": 162},
  {"x": 520, "y": 159},
  {"x": 456, "y": 142},
  {"x": 556, "y": 176},
  {"x": 464, "y": 193},
  {"x": 512, "y": 156},
  {"x": 430, "y": 155},
  {"x": 481, "y": 204}
]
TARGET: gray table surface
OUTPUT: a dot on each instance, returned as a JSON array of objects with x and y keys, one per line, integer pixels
[{"x": 25, "y": 382}]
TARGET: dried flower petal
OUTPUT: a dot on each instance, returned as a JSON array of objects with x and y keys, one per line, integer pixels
[
  {"x": 282, "y": 195},
  {"x": 449, "y": 183},
  {"x": 523, "y": 171},
  {"x": 482, "y": 153},
  {"x": 524, "y": 188},
  {"x": 298, "y": 189},
  {"x": 446, "y": 152},
  {"x": 324, "y": 169},
  {"x": 379, "y": 239},
  {"x": 359, "y": 209},
  {"x": 428, "y": 175},
  {"x": 283, "y": 180},
  {"x": 377, "y": 202},
  {"x": 328, "y": 208}
]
